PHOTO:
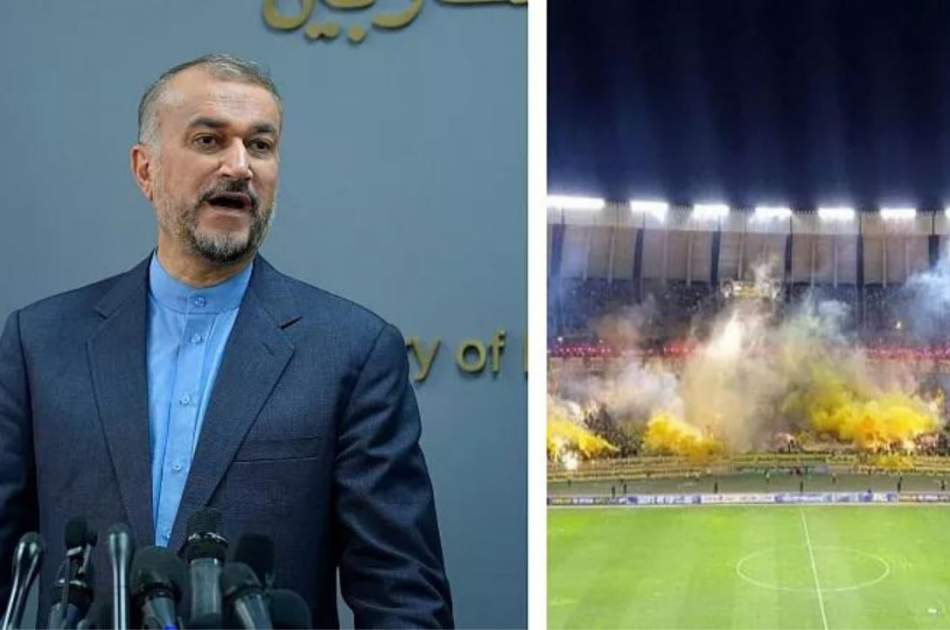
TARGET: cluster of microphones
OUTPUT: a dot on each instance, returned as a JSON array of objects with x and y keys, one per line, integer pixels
[{"x": 152, "y": 587}]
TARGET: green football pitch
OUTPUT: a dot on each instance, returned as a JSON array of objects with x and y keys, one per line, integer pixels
[{"x": 749, "y": 567}]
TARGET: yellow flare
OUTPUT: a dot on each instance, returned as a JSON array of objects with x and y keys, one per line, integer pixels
[
  {"x": 565, "y": 435},
  {"x": 668, "y": 435},
  {"x": 870, "y": 422}
]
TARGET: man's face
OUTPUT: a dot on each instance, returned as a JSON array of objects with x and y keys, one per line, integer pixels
[{"x": 214, "y": 175}]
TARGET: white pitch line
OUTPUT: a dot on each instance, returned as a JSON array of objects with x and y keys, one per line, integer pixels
[{"x": 814, "y": 571}]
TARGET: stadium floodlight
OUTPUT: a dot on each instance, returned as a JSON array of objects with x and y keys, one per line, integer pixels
[
  {"x": 836, "y": 213},
  {"x": 898, "y": 214},
  {"x": 657, "y": 209},
  {"x": 710, "y": 211},
  {"x": 772, "y": 213},
  {"x": 567, "y": 202}
]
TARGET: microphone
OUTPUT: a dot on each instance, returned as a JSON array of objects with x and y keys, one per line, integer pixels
[
  {"x": 75, "y": 584},
  {"x": 79, "y": 596},
  {"x": 121, "y": 548},
  {"x": 257, "y": 552},
  {"x": 158, "y": 580},
  {"x": 244, "y": 599},
  {"x": 27, "y": 558},
  {"x": 204, "y": 551},
  {"x": 288, "y": 610}
]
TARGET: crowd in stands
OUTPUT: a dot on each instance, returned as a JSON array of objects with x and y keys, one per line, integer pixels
[
  {"x": 671, "y": 310},
  {"x": 667, "y": 316},
  {"x": 667, "y": 309}
]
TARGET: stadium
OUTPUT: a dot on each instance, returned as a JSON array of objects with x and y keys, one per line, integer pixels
[{"x": 747, "y": 416}]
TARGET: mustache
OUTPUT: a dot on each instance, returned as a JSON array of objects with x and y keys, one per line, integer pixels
[{"x": 233, "y": 186}]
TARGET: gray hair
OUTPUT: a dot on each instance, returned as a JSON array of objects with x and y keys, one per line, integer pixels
[{"x": 220, "y": 66}]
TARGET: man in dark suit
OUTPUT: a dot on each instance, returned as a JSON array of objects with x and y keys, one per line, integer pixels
[{"x": 204, "y": 377}]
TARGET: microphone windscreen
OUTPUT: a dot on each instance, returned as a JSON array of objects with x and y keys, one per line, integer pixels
[
  {"x": 205, "y": 538},
  {"x": 237, "y": 577},
  {"x": 158, "y": 567},
  {"x": 257, "y": 552},
  {"x": 78, "y": 533},
  {"x": 288, "y": 610},
  {"x": 204, "y": 521}
]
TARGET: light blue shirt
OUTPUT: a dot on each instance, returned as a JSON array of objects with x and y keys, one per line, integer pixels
[{"x": 187, "y": 331}]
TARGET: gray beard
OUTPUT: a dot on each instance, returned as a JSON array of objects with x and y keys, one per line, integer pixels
[
  {"x": 223, "y": 248},
  {"x": 218, "y": 248}
]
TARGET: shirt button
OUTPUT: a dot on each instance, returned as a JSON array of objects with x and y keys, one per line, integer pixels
[
  {"x": 199, "y": 300},
  {"x": 184, "y": 400},
  {"x": 176, "y": 467},
  {"x": 196, "y": 338},
  {"x": 165, "y": 535}
]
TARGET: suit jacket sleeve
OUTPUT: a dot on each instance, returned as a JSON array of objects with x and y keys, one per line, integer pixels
[
  {"x": 17, "y": 476},
  {"x": 391, "y": 567}
]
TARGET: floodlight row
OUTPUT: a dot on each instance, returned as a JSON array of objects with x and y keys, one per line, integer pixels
[{"x": 715, "y": 211}]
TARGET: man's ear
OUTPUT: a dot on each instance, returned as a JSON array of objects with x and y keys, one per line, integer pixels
[{"x": 140, "y": 160}]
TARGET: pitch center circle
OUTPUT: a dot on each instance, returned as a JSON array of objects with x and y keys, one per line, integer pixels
[{"x": 791, "y": 571}]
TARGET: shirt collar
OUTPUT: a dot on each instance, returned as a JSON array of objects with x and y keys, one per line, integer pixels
[{"x": 178, "y": 296}]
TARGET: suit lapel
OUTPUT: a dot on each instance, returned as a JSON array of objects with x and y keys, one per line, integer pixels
[
  {"x": 119, "y": 374},
  {"x": 255, "y": 356}
]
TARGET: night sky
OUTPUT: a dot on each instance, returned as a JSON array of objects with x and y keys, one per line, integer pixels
[{"x": 800, "y": 103}]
